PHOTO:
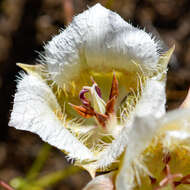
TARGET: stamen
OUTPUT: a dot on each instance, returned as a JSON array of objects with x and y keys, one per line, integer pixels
[
  {"x": 114, "y": 93},
  {"x": 114, "y": 88},
  {"x": 169, "y": 179},
  {"x": 87, "y": 111},
  {"x": 110, "y": 106}
]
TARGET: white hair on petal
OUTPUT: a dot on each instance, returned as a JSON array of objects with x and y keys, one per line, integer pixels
[
  {"x": 98, "y": 39},
  {"x": 34, "y": 110}
]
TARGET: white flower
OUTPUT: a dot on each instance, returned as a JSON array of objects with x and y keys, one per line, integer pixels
[
  {"x": 158, "y": 153},
  {"x": 118, "y": 72}
]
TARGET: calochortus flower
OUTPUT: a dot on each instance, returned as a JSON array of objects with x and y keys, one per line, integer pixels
[
  {"x": 159, "y": 159},
  {"x": 89, "y": 84}
]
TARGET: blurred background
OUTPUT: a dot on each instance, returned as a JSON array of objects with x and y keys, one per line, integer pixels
[{"x": 25, "y": 25}]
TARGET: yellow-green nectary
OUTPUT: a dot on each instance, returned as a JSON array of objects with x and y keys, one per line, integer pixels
[{"x": 95, "y": 45}]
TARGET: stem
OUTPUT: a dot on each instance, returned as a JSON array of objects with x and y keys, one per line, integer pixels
[
  {"x": 39, "y": 162},
  {"x": 51, "y": 179},
  {"x": 5, "y": 185}
]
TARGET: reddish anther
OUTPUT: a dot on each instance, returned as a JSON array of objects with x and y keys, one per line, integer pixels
[
  {"x": 85, "y": 112},
  {"x": 114, "y": 88},
  {"x": 110, "y": 106},
  {"x": 5, "y": 185},
  {"x": 113, "y": 96}
]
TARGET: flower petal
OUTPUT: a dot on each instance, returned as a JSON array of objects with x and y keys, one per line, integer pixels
[
  {"x": 140, "y": 136},
  {"x": 103, "y": 182},
  {"x": 175, "y": 120},
  {"x": 99, "y": 40},
  {"x": 113, "y": 151},
  {"x": 152, "y": 100},
  {"x": 170, "y": 132},
  {"x": 34, "y": 110},
  {"x": 153, "y": 96}
]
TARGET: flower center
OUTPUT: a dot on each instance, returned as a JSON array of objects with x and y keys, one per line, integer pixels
[
  {"x": 96, "y": 107},
  {"x": 169, "y": 178}
]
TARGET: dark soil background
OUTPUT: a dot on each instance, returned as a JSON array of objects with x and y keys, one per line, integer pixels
[{"x": 26, "y": 24}]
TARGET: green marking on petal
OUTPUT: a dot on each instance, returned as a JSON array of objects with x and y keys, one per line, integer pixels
[
  {"x": 31, "y": 69},
  {"x": 165, "y": 58}
]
